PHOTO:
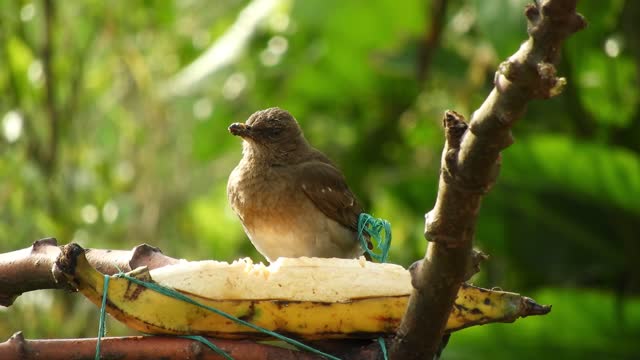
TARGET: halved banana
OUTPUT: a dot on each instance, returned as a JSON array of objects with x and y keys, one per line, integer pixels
[{"x": 310, "y": 298}]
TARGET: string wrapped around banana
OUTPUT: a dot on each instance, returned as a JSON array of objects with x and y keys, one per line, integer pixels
[{"x": 311, "y": 298}]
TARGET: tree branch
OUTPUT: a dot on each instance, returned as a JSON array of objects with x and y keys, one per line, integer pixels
[
  {"x": 30, "y": 268},
  {"x": 142, "y": 347},
  {"x": 470, "y": 165},
  {"x": 584, "y": 125}
]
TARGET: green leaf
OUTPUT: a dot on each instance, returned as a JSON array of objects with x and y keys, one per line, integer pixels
[
  {"x": 20, "y": 58},
  {"x": 352, "y": 34},
  {"x": 602, "y": 15},
  {"x": 210, "y": 135},
  {"x": 19, "y": 54},
  {"x": 609, "y": 87},
  {"x": 218, "y": 229},
  {"x": 607, "y": 175}
]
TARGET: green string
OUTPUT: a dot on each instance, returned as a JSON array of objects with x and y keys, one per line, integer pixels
[
  {"x": 102, "y": 329},
  {"x": 373, "y": 226},
  {"x": 211, "y": 345},
  {"x": 177, "y": 295},
  {"x": 379, "y": 231},
  {"x": 383, "y": 347}
]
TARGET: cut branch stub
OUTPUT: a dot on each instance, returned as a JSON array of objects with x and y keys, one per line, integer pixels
[
  {"x": 149, "y": 256},
  {"x": 477, "y": 258},
  {"x": 554, "y": 22},
  {"x": 535, "y": 73},
  {"x": 31, "y": 268},
  {"x": 460, "y": 183},
  {"x": 541, "y": 80},
  {"x": 549, "y": 83},
  {"x": 455, "y": 128},
  {"x": 414, "y": 270}
]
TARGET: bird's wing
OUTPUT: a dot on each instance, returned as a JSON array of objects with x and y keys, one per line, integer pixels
[{"x": 328, "y": 190}]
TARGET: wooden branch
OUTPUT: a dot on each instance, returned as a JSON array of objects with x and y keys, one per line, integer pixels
[
  {"x": 470, "y": 164},
  {"x": 30, "y": 268},
  {"x": 142, "y": 347}
]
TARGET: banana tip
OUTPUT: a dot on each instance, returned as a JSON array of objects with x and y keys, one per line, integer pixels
[{"x": 533, "y": 308}]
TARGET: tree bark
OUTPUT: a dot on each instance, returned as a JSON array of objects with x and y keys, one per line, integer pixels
[
  {"x": 30, "y": 268},
  {"x": 469, "y": 167},
  {"x": 145, "y": 347}
]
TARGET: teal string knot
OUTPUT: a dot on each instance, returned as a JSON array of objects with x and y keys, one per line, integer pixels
[{"x": 379, "y": 231}]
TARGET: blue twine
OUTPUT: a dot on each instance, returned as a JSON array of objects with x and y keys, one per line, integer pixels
[
  {"x": 177, "y": 295},
  {"x": 211, "y": 345},
  {"x": 102, "y": 329},
  {"x": 383, "y": 347},
  {"x": 379, "y": 231}
]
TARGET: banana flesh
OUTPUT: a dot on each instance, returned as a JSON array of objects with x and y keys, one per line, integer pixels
[{"x": 334, "y": 311}]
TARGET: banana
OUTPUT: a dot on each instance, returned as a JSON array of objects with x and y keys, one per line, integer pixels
[{"x": 309, "y": 298}]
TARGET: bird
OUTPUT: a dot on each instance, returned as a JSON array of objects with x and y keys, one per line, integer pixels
[{"x": 292, "y": 200}]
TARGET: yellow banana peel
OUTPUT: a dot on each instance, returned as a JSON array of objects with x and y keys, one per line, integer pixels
[{"x": 308, "y": 298}]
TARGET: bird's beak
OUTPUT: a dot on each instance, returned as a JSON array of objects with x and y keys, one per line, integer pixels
[{"x": 239, "y": 129}]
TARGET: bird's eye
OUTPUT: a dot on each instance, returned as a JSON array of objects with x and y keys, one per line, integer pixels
[{"x": 275, "y": 131}]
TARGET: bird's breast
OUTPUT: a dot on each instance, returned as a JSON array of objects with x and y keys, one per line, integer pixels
[
  {"x": 254, "y": 190},
  {"x": 280, "y": 219}
]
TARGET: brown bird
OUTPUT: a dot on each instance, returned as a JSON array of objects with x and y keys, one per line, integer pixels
[{"x": 291, "y": 199}]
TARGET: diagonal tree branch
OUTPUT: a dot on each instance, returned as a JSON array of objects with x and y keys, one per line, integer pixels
[{"x": 470, "y": 165}]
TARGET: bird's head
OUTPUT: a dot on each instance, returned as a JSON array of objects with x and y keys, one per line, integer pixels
[{"x": 272, "y": 130}]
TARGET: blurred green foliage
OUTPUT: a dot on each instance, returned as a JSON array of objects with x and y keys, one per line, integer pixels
[{"x": 126, "y": 143}]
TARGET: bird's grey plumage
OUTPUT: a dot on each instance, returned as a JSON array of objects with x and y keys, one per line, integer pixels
[{"x": 290, "y": 197}]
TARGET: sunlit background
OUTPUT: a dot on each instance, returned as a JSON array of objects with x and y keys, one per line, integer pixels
[{"x": 113, "y": 133}]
